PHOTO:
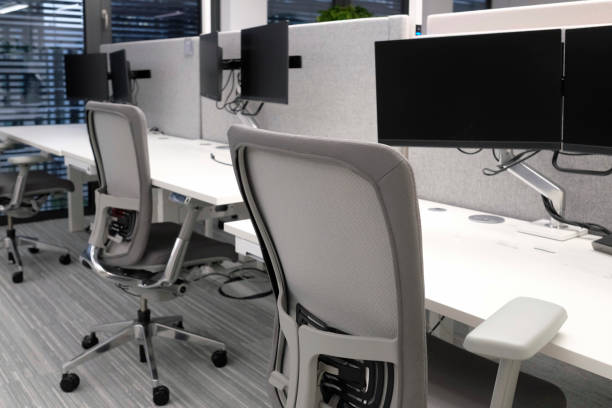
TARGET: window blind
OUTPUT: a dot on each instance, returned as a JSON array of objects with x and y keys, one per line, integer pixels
[
  {"x": 33, "y": 42},
  {"x": 136, "y": 20}
]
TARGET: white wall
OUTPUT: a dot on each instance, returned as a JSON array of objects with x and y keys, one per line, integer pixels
[
  {"x": 205, "y": 18},
  {"x": 239, "y": 14}
]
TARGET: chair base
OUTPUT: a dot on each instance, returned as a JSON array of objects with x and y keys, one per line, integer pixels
[
  {"x": 141, "y": 331},
  {"x": 12, "y": 242}
]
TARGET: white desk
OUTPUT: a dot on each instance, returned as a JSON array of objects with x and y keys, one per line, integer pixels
[
  {"x": 472, "y": 269},
  {"x": 179, "y": 165},
  {"x": 51, "y": 139}
]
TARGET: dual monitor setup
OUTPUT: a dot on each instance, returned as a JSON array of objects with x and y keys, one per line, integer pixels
[
  {"x": 526, "y": 90},
  {"x": 533, "y": 90},
  {"x": 263, "y": 65},
  {"x": 87, "y": 76}
]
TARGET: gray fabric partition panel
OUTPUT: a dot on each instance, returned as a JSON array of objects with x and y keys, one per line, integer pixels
[
  {"x": 448, "y": 176},
  {"x": 170, "y": 99},
  {"x": 334, "y": 93}
]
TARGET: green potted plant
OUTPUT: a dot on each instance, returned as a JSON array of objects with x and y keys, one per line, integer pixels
[{"x": 343, "y": 13}]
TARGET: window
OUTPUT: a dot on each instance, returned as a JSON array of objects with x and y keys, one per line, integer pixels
[
  {"x": 469, "y": 5},
  {"x": 380, "y": 7},
  {"x": 296, "y": 11},
  {"x": 136, "y": 20},
  {"x": 33, "y": 42}
]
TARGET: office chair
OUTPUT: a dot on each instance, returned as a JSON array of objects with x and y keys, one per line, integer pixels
[
  {"x": 146, "y": 259},
  {"x": 340, "y": 232},
  {"x": 22, "y": 194}
]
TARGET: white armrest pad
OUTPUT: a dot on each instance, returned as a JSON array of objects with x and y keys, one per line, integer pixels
[
  {"x": 28, "y": 159},
  {"x": 518, "y": 330}
]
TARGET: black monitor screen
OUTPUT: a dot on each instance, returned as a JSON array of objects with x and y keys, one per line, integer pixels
[
  {"x": 120, "y": 76},
  {"x": 86, "y": 76},
  {"x": 490, "y": 90},
  {"x": 211, "y": 73},
  {"x": 588, "y": 90},
  {"x": 265, "y": 63}
]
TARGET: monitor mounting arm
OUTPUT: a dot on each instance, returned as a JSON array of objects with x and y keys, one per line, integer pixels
[
  {"x": 546, "y": 228},
  {"x": 295, "y": 62},
  {"x": 535, "y": 180},
  {"x": 248, "y": 120}
]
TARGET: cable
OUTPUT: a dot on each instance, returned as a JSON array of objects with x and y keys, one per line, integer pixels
[
  {"x": 516, "y": 160},
  {"x": 593, "y": 228},
  {"x": 212, "y": 156},
  {"x": 469, "y": 153},
  {"x": 246, "y": 113},
  {"x": 232, "y": 279},
  {"x": 230, "y": 79},
  {"x": 233, "y": 103},
  {"x": 436, "y": 325},
  {"x": 573, "y": 154},
  {"x": 556, "y": 165}
]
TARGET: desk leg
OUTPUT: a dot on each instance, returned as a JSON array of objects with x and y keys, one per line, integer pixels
[
  {"x": 445, "y": 330},
  {"x": 76, "y": 212}
]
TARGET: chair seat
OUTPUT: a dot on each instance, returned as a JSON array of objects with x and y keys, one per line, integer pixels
[
  {"x": 38, "y": 182},
  {"x": 460, "y": 379},
  {"x": 161, "y": 241}
]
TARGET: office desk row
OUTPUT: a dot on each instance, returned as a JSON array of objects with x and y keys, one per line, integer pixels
[
  {"x": 178, "y": 165},
  {"x": 472, "y": 269}
]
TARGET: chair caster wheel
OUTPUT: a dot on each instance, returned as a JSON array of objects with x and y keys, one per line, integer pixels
[
  {"x": 161, "y": 395},
  {"x": 33, "y": 250},
  {"x": 219, "y": 358},
  {"x": 89, "y": 341},
  {"x": 65, "y": 259},
  {"x": 143, "y": 355},
  {"x": 70, "y": 382},
  {"x": 18, "y": 277}
]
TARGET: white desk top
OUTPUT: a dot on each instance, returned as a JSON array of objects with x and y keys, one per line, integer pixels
[
  {"x": 48, "y": 138},
  {"x": 180, "y": 165},
  {"x": 472, "y": 269}
]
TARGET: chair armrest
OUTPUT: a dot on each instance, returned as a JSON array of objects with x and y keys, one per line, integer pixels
[
  {"x": 518, "y": 330},
  {"x": 28, "y": 159}
]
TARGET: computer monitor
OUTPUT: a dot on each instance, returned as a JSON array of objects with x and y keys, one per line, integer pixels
[
  {"x": 588, "y": 90},
  {"x": 264, "y": 68},
  {"x": 211, "y": 71},
  {"x": 120, "y": 76},
  {"x": 499, "y": 90},
  {"x": 86, "y": 76}
]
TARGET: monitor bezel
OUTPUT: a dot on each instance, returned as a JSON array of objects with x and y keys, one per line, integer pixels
[
  {"x": 476, "y": 144},
  {"x": 218, "y": 95},
  {"x": 83, "y": 56},
  {"x": 120, "y": 56},
  {"x": 280, "y": 100}
]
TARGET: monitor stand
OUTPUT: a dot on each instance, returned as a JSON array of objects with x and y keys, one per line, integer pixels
[
  {"x": 248, "y": 120},
  {"x": 546, "y": 228}
]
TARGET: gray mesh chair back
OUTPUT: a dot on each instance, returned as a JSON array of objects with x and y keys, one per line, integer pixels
[
  {"x": 118, "y": 135},
  {"x": 340, "y": 230}
]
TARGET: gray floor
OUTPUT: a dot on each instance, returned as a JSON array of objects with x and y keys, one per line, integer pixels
[{"x": 42, "y": 321}]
